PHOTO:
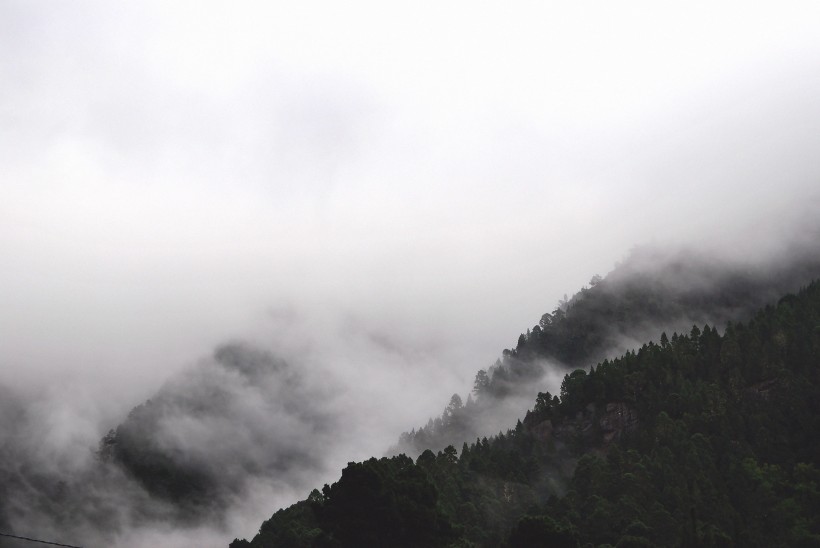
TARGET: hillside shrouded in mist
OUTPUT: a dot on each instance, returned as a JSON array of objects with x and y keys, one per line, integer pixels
[
  {"x": 359, "y": 206},
  {"x": 701, "y": 440},
  {"x": 651, "y": 292},
  {"x": 245, "y": 430}
]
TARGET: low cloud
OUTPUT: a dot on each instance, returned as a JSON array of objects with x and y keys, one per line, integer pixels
[{"x": 381, "y": 200}]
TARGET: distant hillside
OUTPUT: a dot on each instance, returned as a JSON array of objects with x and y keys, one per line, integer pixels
[
  {"x": 12, "y": 413},
  {"x": 181, "y": 457},
  {"x": 243, "y": 415},
  {"x": 649, "y": 292},
  {"x": 700, "y": 439},
  {"x": 246, "y": 414}
]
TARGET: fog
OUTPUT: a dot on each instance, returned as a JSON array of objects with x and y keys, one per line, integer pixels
[{"x": 372, "y": 194}]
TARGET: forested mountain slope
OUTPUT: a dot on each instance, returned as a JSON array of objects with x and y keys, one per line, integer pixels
[
  {"x": 245, "y": 413},
  {"x": 180, "y": 458},
  {"x": 651, "y": 291},
  {"x": 701, "y": 439},
  {"x": 224, "y": 423}
]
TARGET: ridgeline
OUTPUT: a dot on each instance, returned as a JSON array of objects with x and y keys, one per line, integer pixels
[{"x": 699, "y": 439}]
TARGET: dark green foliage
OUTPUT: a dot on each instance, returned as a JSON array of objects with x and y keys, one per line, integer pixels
[
  {"x": 650, "y": 292},
  {"x": 542, "y": 531},
  {"x": 390, "y": 502},
  {"x": 703, "y": 440},
  {"x": 724, "y": 452},
  {"x": 379, "y": 503}
]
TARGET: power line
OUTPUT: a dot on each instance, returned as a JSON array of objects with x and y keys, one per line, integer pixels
[{"x": 40, "y": 541}]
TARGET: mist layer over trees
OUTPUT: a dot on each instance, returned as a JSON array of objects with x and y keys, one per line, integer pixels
[
  {"x": 218, "y": 436},
  {"x": 650, "y": 292},
  {"x": 701, "y": 439},
  {"x": 244, "y": 245}
]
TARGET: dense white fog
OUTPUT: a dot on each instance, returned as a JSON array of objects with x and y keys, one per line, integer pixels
[{"x": 372, "y": 192}]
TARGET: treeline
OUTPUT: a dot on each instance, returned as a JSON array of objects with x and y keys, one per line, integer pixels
[
  {"x": 649, "y": 292},
  {"x": 701, "y": 439}
]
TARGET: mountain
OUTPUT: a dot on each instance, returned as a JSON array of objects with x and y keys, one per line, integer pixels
[
  {"x": 187, "y": 458},
  {"x": 651, "y": 291},
  {"x": 180, "y": 459},
  {"x": 242, "y": 416},
  {"x": 699, "y": 439}
]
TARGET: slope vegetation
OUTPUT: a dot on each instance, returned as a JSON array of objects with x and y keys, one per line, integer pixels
[
  {"x": 652, "y": 291},
  {"x": 701, "y": 439}
]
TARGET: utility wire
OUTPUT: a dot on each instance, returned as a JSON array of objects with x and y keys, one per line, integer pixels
[{"x": 40, "y": 541}]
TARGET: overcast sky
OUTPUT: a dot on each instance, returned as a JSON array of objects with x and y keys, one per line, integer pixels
[{"x": 426, "y": 178}]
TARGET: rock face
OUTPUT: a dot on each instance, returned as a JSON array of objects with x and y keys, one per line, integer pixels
[
  {"x": 591, "y": 428},
  {"x": 543, "y": 431},
  {"x": 763, "y": 389},
  {"x": 619, "y": 418}
]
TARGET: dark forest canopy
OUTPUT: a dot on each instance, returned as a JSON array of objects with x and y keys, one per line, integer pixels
[
  {"x": 195, "y": 448},
  {"x": 700, "y": 439},
  {"x": 651, "y": 291}
]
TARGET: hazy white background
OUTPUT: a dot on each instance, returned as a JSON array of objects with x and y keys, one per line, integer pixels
[{"x": 392, "y": 189}]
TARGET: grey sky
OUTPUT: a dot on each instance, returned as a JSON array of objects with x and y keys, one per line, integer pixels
[
  {"x": 172, "y": 173},
  {"x": 385, "y": 186}
]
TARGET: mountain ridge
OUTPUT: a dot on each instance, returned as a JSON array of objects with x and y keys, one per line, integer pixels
[
  {"x": 651, "y": 291},
  {"x": 716, "y": 450}
]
